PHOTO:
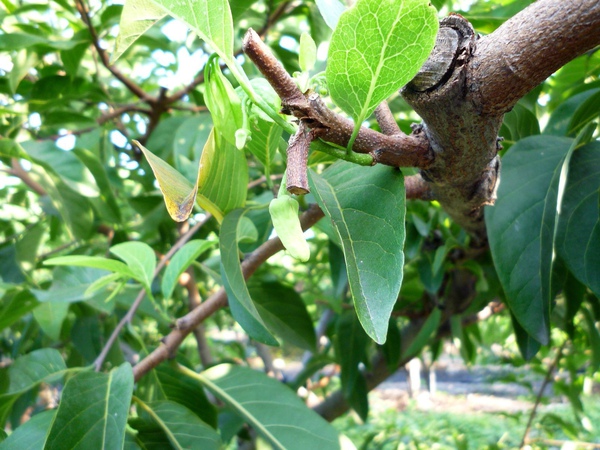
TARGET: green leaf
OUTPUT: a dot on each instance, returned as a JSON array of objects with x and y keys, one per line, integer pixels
[
  {"x": 587, "y": 112},
  {"x": 180, "y": 262},
  {"x": 222, "y": 101},
  {"x": 308, "y": 52},
  {"x": 284, "y": 215},
  {"x": 561, "y": 118},
  {"x": 178, "y": 192},
  {"x": 97, "y": 262},
  {"x": 593, "y": 338},
  {"x": 392, "y": 349},
  {"x": 140, "y": 259},
  {"x": 28, "y": 371},
  {"x": 578, "y": 236},
  {"x": 180, "y": 426},
  {"x": 284, "y": 312},
  {"x": 15, "y": 305},
  {"x": 243, "y": 309},
  {"x": 189, "y": 140},
  {"x": 528, "y": 346},
  {"x": 137, "y": 18},
  {"x": 521, "y": 228},
  {"x": 429, "y": 327},
  {"x": 223, "y": 177},
  {"x": 166, "y": 382},
  {"x": 351, "y": 342},
  {"x": 32, "y": 434},
  {"x": 519, "y": 123},
  {"x": 93, "y": 410},
  {"x": 50, "y": 317},
  {"x": 65, "y": 164},
  {"x": 376, "y": 48},
  {"x": 264, "y": 142},
  {"x": 371, "y": 233},
  {"x": 271, "y": 408},
  {"x": 210, "y": 19},
  {"x": 331, "y": 10}
]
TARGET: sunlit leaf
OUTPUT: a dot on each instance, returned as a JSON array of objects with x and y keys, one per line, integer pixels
[
  {"x": 210, "y": 19},
  {"x": 137, "y": 17},
  {"x": 376, "y": 48},
  {"x": 140, "y": 259},
  {"x": 178, "y": 192}
]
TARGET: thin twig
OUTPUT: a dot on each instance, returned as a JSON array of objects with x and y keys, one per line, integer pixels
[
  {"x": 386, "y": 120},
  {"x": 130, "y": 84},
  {"x": 138, "y": 300},
  {"x": 538, "y": 400}
]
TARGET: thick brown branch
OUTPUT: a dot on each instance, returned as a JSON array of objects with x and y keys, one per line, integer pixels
[
  {"x": 186, "y": 324},
  {"x": 397, "y": 150},
  {"x": 529, "y": 47}
]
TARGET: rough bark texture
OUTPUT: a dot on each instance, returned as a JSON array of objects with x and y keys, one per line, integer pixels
[{"x": 469, "y": 83}]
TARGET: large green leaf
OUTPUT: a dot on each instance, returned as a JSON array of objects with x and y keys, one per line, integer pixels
[
  {"x": 284, "y": 312},
  {"x": 166, "y": 382},
  {"x": 210, "y": 19},
  {"x": 371, "y": 232},
  {"x": 137, "y": 17},
  {"x": 376, "y": 48},
  {"x": 271, "y": 408},
  {"x": 15, "y": 305},
  {"x": 578, "y": 238},
  {"x": 243, "y": 309},
  {"x": 180, "y": 262},
  {"x": 521, "y": 228},
  {"x": 178, "y": 192},
  {"x": 93, "y": 410},
  {"x": 32, "y": 434},
  {"x": 28, "y": 371},
  {"x": 168, "y": 424},
  {"x": 50, "y": 318},
  {"x": 223, "y": 177}
]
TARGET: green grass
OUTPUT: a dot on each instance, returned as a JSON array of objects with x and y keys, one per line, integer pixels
[{"x": 415, "y": 429}]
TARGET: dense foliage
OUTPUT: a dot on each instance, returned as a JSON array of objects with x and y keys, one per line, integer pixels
[{"x": 141, "y": 159}]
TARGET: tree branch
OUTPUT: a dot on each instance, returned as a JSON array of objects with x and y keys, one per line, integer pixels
[
  {"x": 396, "y": 150},
  {"x": 530, "y": 47}
]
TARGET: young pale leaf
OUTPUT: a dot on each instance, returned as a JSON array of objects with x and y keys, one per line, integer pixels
[
  {"x": 377, "y": 47},
  {"x": 139, "y": 257},
  {"x": 240, "y": 303},
  {"x": 174, "y": 424},
  {"x": 271, "y": 408},
  {"x": 93, "y": 411},
  {"x": 178, "y": 192},
  {"x": 331, "y": 10},
  {"x": 210, "y": 19},
  {"x": 308, "y": 52},
  {"x": 222, "y": 101},
  {"x": 578, "y": 237},
  {"x": 521, "y": 228},
  {"x": 180, "y": 262},
  {"x": 137, "y": 17},
  {"x": 284, "y": 213},
  {"x": 371, "y": 232}
]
